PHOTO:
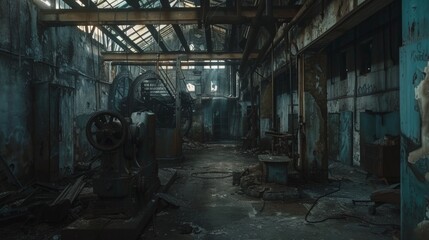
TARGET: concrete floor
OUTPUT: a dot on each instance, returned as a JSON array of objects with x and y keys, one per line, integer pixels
[{"x": 215, "y": 209}]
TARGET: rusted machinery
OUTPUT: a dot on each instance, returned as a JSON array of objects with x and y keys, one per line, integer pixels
[
  {"x": 151, "y": 92},
  {"x": 126, "y": 180},
  {"x": 128, "y": 156}
]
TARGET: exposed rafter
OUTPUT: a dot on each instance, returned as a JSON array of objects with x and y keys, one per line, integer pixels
[
  {"x": 116, "y": 29},
  {"x": 155, "y": 34},
  {"x": 208, "y": 34},
  {"x": 114, "y": 38},
  {"x": 157, "y": 37},
  {"x": 219, "y": 15},
  {"x": 172, "y": 56},
  {"x": 166, "y": 4},
  {"x": 205, "y": 6},
  {"x": 126, "y": 38},
  {"x": 173, "y": 63},
  {"x": 231, "y": 38},
  {"x": 252, "y": 38}
]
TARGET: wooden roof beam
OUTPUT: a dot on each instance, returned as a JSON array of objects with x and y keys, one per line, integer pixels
[
  {"x": 172, "y": 56},
  {"x": 221, "y": 15},
  {"x": 177, "y": 29}
]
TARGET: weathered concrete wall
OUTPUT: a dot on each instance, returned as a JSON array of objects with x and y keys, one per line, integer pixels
[
  {"x": 221, "y": 119},
  {"x": 331, "y": 13},
  {"x": 377, "y": 90},
  {"x": 16, "y": 144},
  {"x": 414, "y": 120},
  {"x": 265, "y": 109},
  {"x": 285, "y": 91},
  {"x": 316, "y": 116},
  {"x": 49, "y": 79},
  {"x": 203, "y": 77}
]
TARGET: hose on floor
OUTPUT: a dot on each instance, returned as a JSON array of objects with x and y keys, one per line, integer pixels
[{"x": 342, "y": 216}]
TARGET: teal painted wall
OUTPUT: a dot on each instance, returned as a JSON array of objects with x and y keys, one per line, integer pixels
[{"x": 414, "y": 57}]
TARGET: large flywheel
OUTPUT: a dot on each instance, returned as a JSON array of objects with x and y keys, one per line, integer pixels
[
  {"x": 106, "y": 130},
  {"x": 149, "y": 92},
  {"x": 118, "y": 93}
]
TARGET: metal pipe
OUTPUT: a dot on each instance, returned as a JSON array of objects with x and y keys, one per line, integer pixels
[
  {"x": 273, "y": 95},
  {"x": 301, "y": 103},
  {"x": 268, "y": 7},
  {"x": 295, "y": 159},
  {"x": 252, "y": 37},
  {"x": 178, "y": 88},
  {"x": 355, "y": 92},
  {"x": 286, "y": 28}
]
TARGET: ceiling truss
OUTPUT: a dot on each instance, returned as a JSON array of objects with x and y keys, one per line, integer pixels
[
  {"x": 220, "y": 15},
  {"x": 133, "y": 29}
]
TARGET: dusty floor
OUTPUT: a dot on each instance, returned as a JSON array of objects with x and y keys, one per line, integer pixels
[
  {"x": 212, "y": 208},
  {"x": 215, "y": 209}
]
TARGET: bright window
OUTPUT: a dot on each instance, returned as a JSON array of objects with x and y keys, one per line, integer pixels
[{"x": 190, "y": 87}]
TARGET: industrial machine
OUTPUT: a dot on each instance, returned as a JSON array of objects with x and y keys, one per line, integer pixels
[
  {"x": 126, "y": 180},
  {"x": 128, "y": 163},
  {"x": 151, "y": 92}
]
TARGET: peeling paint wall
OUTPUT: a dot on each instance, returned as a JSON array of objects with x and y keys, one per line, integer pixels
[
  {"x": 377, "y": 90},
  {"x": 414, "y": 59},
  {"x": 284, "y": 111},
  {"x": 316, "y": 116},
  {"x": 331, "y": 13},
  {"x": 49, "y": 78},
  {"x": 15, "y": 118},
  {"x": 265, "y": 111}
]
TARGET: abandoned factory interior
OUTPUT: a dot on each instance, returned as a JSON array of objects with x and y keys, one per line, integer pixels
[{"x": 214, "y": 119}]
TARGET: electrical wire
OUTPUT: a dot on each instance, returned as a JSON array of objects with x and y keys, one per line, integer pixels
[{"x": 342, "y": 216}]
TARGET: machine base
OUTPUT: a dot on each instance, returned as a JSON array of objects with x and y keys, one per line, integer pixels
[{"x": 118, "y": 227}]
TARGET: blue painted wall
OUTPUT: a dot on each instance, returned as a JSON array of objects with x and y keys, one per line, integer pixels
[
  {"x": 376, "y": 125},
  {"x": 346, "y": 138},
  {"x": 414, "y": 58},
  {"x": 49, "y": 84}
]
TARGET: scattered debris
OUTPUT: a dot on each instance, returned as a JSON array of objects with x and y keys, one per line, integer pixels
[
  {"x": 42, "y": 201},
  {"x": 252, "y": 185},
  {"x": 218, "y": 232},
  {"x": 60, "y": 207},
  {"x": 236, "y": 176},
  {"x": 387, "y": 140},
  {"x": 255, "y": 191},
  {"x": 189, "y": 144},
  {"x": 286, "y": 194},
  {"x": 212, "y": 174},
  {"x": 172, "y": 200},
  {"x": 188, "y": 228},
  {"x": 251, "y": 176},
  {"x": 6, "y": 175}
]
